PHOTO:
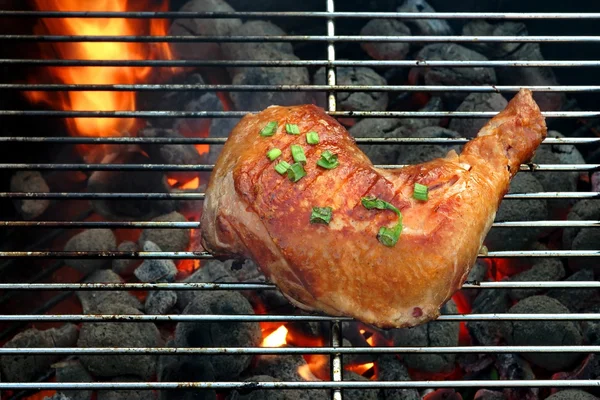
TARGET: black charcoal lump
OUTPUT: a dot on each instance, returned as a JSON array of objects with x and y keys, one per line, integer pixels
[
  {"x": 469, "y": 127},
  {"x": 392, "y": 369},
  {"x": 544, "y": 333},
  {"x": 385, "y": 50},
  {"x": 167, "y": 239},
  {"x": 213, "y": 271},
  {"x": 28, "y": 368},
  {"x": 155, "y": 269},
  {"x": 572, "y": 394},
  {"x": 424, "y": 27},
  {"x": 581, "y": 238},
  {"x": 543, "y": 270},
  {"x": 73, "y": 371},
  {"x": 91, "y": 240},
  {"x": 93, "y": 301},
  {"x": 126, "y": 266},
  {"x": 160, "y": 302},
  {"x": 419, "y": 153}
]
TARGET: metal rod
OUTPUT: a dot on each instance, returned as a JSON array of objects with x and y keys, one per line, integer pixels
[
  {"x": 182, "y": 286},
  {"x": 6, "y": 351},
  {"x": 295, "y": 39},
  {"x": 234, "y": 114},
  {"x": 185, "y": 140},
  {"x": 209, "y": 167},
  {"x": 196, "y": 224},
  {"x": 294, "y": 14},
  {"x": 296, "y": 88},
  {"x": 367, "y": 384},
  {"x": 193, "y": 255},
  {"x": 280, "y": 318},
  {"x": 299, "y": 63},
  {"x": 200, "y": 196}
]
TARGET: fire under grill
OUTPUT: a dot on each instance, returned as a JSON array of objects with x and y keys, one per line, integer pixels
[{"x": 111, "y": 120}]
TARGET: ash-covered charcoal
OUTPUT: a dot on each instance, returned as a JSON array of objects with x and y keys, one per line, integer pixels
[
  {"x": 591, "y": 329},
  {"x": 220, "y": 334},
  {"x": 160, "y": 302},
  {"x": 560, "y": 181},
  {"x": 494, "y": 50},
  {"x": 119, "y": 334},
  {"x": 519, "y": 210},
  {"x": 430, "y": 334},
  {"x": 155, "y": 270},
  {"x": 358, "y": 394},
  {"x": 379, "y": 128},
  {"x": 543, "y": 333},
  {"x": 453, "y": 76},
  {"x": 543, "y": 270},
  {"x": 582, "y": 238},
  {"x": 255, "y": 50},
  {"x": 202, "y": 27},
  {"x": 171, "y": 153},
  {"x": 29, "y": 181},
  {"x": 354, "y": 101},
  {"x": 126, "y": 394},
  {"x": 212, "y": 271},
  {"x": 129, "y": 182},
  {"x": 424, "y": 27},
  {"x": 167, "y": 239},
  {"x": 57, "y": 396},
  {"x": 576, "y": 300},
  {"x": 595, "y": 182},
  {"x": 572, "y": 394},
  {"x": 385, "y": 50},
  {"x": 512, "y": 367},
  {"x": 415, "y": 154},
  {"x": 414, "y": 124},
  {"x": 28, "y": 368},
  {"x": 486, "y": 394},
  {"x": 188, "y": 369},
  {"x": 93, "y": 301},
  {"x": 73, "y": 371},
  {"x": 390, "y": 368},
  {"x": 489, "y": 301},
  {"x": 91, "y": 240},
  {"x": 126, "y": 266},
  {"x": 219, "y": 128},
  {"x": 469, "y": 127},
  {"x": 477, "y": 274}
]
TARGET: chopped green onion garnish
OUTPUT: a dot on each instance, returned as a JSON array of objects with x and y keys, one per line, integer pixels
[
  {"x": 328, "y": 160},
  {"x": 298, "y": 154},
  {"x": 421, "y": 192},
  {"x": 273, "y": 154},
  {"x": 269, "y": 129},
  {"x": 282, "y": 167},
  {"x": 386, "y": 236},
  {"x": 296, "y": 172},
  {"x": 321, "y": 215},
  {"x": 312, "y": 137},
  {"x": 292, "y": 129}
]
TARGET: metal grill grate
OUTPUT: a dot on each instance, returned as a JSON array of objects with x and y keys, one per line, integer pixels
[{"x": 336, "y": 349}]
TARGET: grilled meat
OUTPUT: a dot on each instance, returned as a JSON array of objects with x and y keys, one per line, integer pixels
[{"x": 349, "y": 267}]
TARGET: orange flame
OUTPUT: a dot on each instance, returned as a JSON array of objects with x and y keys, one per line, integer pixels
[
  {"x": 277, "y": 338},
  {"x": 98, "y": 100}
]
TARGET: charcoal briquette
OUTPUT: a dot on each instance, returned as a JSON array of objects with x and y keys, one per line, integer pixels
[
  {"x": 29, "y": 181},
  {"x": 93, "y": 301},
  {"x": 160, "y": 302},
  {"x": 470, "y": 127},
  {"x": 543, "y": 270},
  {"x": 126, "y": 266},
  {"x": 154, "y": 269},
  {"x": 91, "y": 240},
  {"x": 385, "y": 50}
]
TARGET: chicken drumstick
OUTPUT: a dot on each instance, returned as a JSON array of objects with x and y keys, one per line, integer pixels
[{"x": 387, "y": 247}]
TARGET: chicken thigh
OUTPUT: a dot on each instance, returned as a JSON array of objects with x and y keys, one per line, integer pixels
[{"x": 385, "y": 246}]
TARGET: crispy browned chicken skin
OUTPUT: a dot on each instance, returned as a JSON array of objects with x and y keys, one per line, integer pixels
[{"x": 251, "y": 211}]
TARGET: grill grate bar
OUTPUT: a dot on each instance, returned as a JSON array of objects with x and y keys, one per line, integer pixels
[
  {"x": 200, "y": 196},
  {"x": 295, "y": 39},
  {"x": 294, "y": 14},
  {"x": 196, "y": 255},
  {"x": 209, "y": 167},
  {"x": 185, "y": 140},
  {"x": 233, "y": 114},
  {"x": 298, "y": 350},
  {"x": 133, "y": 318},
  {"x": 196, "y": 225},
  {"x": 499, "y": 383},
  {"x": 268, "y": 286},
  {"x": 300, "y": 88}
]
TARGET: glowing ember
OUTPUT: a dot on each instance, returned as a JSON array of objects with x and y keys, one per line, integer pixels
[
  {"x": 360, "y": 369},
  {"x": 277, "y": 338},
  {"x": 305, "y": 372},
  {"x": 99, "y": 101}
]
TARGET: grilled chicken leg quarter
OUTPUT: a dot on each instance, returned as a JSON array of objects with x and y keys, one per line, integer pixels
[{"x": 342, "y": 268}]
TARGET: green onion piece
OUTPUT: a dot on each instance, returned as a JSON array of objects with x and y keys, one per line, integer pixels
[
  {"x": 321, "y": 215},
  {"x": 282, "y": 167},
  {"x": 296, "y": 172},
  {"x": 292, "y": 129},
  {"x": 328, "y": 160},
  {"x": 312, "y": 137},
  {"x": 388, "y": 236},
  {"x": 298, "y": 154},
  {"x": 269, "y": 129},
  {"x": 273, "y": 154},
  {"x": 421, "y": 192}
]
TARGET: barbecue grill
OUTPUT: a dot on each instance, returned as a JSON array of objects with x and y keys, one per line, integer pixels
[{"x": 336, "y": 349}]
